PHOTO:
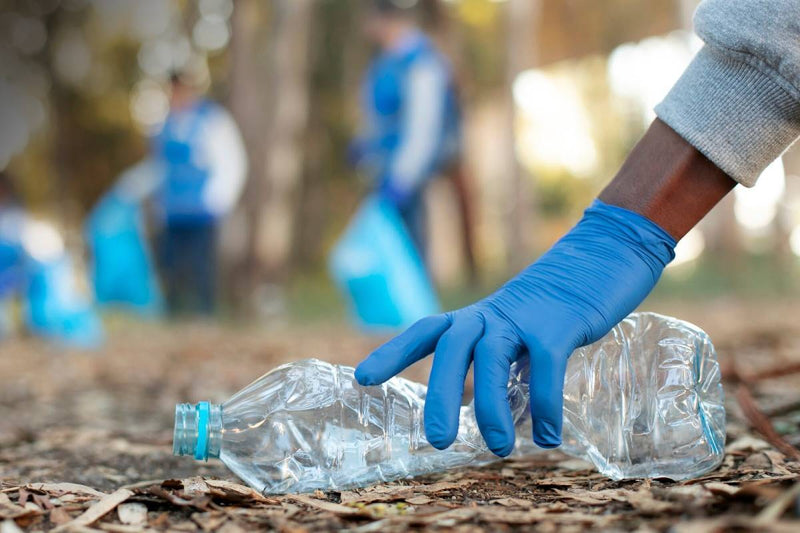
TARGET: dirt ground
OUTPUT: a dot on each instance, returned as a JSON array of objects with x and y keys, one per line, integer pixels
[{"x": 85, "y": 442}]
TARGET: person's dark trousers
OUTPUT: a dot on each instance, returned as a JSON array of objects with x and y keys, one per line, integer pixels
[
  {"x": 188, "y": 257},
  {"x": 415, "y": 217}
]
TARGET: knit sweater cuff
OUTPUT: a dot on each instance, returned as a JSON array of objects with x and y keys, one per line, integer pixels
[{"x": 733, "y": 112}]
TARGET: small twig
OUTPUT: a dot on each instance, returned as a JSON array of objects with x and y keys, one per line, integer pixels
[
  {"x": 761, "y": 422},
  {"x": 775, "y": 372},
  {"x": 142, "y": 484},
  {"x": 730, "y": 372},
  {"x": 323, "y": 505}
]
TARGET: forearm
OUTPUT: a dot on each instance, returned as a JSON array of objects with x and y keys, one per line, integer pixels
[
  {"x": 228, "y": 163},
  {"x": 668, "y": 181},
  {"x": 738, "y": 102},
  {"x": 423, "y": 115}
]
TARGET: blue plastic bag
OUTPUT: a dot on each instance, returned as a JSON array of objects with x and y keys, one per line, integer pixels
[
  {"x": 376, "y": 265},
  {"x": 122, "y": 270},
  {"x": 55, "y": 310}
]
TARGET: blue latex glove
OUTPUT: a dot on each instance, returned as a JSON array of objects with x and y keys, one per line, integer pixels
[{"x": 572, "y": 296}]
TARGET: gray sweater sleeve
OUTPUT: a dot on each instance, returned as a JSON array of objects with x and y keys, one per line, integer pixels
[{"x": 738, "y": 102}]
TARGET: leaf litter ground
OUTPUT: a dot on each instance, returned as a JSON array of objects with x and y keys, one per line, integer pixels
[{"x": 85, "y": 444}]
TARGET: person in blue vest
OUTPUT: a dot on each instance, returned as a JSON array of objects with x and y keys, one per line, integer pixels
[
  {"x": 204, "y": 165},
  {"x": 410, "y": 117}
]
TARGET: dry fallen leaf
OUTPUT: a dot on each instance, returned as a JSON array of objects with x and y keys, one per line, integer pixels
[
  {"x": 99, "y": 509},
  {"x": 644, "y": 502},
  {"x": 119, "y": 528},
  {"x": 234, "y": 492},
  {"x": 389, "y": 493},
  {"x": 585, "y": 497},
  {"x": 195, "y": 486},
  {"x": 716, "y": 487},
  {"x": 59, "y": 516},
  {"x": 10, "y": 510},
  {"x": 210, "y": 521},
  {"x": 513, "y": 502},
  {"x": 323, "y": 505},
  {"x": 747, "y": 443},
  {"x": 66, "y": 488},
  {"x": 230, "y": 527}
]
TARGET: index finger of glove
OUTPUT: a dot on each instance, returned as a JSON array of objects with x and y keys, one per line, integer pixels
[{"x": 413, "y": 344}]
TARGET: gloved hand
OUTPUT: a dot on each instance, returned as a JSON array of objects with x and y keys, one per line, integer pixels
[
  {"x": 572, "y": 296},
  {"x": 393, "y": 194}
]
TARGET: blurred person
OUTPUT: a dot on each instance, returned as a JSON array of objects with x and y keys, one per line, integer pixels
[
  {"x": 735, "y": 109},
  {"x": 410, "y": 117},
  {"x": 202, "y": 157},
  {"x": 123, "y": 273}
]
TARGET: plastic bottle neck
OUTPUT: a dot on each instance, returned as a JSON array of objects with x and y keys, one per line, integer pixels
[{"x": 198, "y": 430}]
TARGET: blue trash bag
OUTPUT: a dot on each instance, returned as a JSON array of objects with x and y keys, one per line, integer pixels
[
  {"x": 376, "y": 265},
  {"x": 122, "y": 270},
  {"x": 55, "y": 310}
]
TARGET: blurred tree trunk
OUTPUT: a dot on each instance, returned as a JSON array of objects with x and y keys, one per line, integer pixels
[
  {"x": 723, "y": 239},
  {"x": 722, "y": 229},
  {"x": 785, "y": 219},
  {"x": 522, "y": 26},
  {"x": 270, "y": 101},
  {"x": 245, "y": 101},
  {"x": 338, "y": 56},
  {"x": 288, "y": 111},
  {"x": 449, "y": 39}
]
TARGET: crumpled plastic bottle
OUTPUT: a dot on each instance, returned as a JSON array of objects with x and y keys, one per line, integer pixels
[{"x": 644, "y": 401}]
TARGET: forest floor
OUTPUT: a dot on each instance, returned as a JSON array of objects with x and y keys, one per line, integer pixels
[{"x": 85, "y": 442}]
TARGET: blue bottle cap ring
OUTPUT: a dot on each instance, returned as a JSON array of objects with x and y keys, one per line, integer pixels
[{"x": 201, "y": 446}]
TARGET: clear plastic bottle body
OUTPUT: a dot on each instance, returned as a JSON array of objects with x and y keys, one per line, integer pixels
[
  {"x": 309, "y": 425},
  {"x": 644, "y": 401}
]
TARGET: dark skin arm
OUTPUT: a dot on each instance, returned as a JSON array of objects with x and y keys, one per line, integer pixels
[{"x": 668, "y": 181}]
